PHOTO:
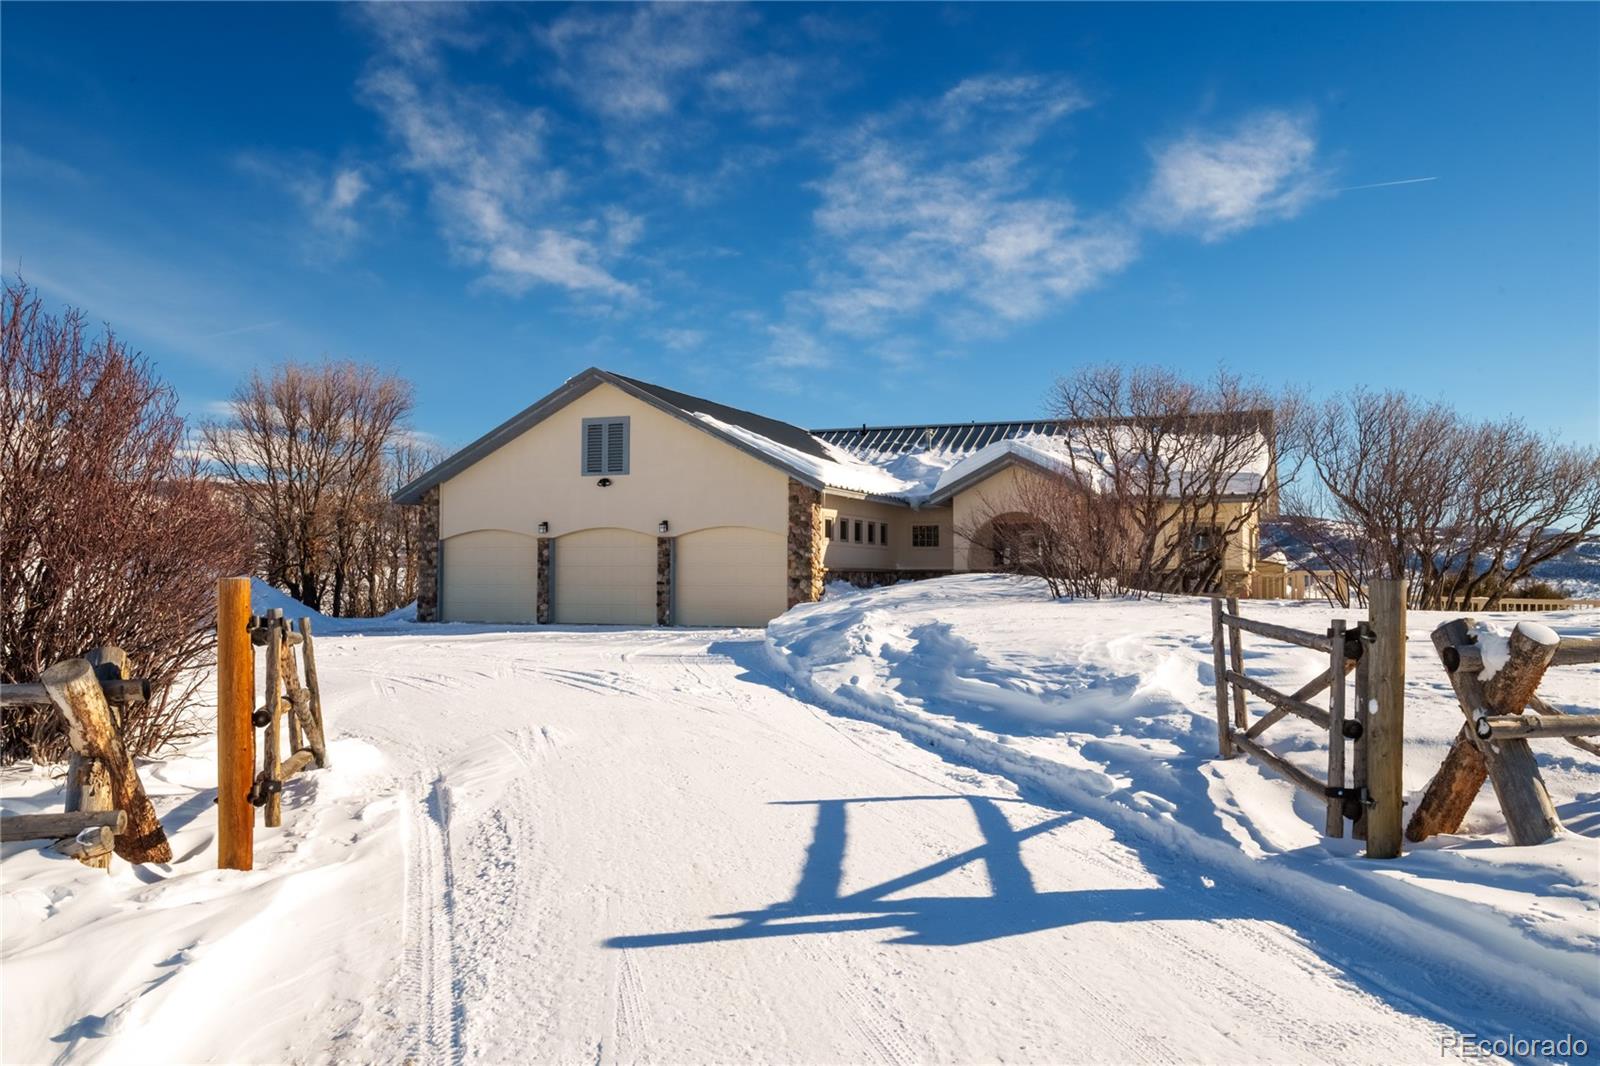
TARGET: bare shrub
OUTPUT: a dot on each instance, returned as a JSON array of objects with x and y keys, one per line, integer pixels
[{"x": 109, "y": 533}]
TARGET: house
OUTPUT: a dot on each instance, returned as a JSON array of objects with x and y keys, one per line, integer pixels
[
  {"x": 1276, "y": 578},
  {"x": 614, "y": 500}
]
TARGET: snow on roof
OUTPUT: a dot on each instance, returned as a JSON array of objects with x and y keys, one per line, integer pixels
[{"x": 837, "y": 470}]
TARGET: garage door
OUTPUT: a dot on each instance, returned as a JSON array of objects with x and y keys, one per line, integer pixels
[
  {"x": 605, "y": 576},
  {"x": 729, "y": 576},
  {"x": 490, "y": 575}
]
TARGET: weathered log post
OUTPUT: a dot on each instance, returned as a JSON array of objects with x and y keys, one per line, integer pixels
[
  {"x": 1335, "y": 819},
  {"x": 1385, "y": 739},
  {"x": 291, "y": 682},
  {"x": 1219, "y": 665},
  {"x": 271, "y": 750},
  {"x": 75, "y": 690},
  {"x": 317, "y": 735},
  {"x": 1241, "y": 717},
  {"x": 1509, "y": 764},
  {"x": 236, "y": 738}
]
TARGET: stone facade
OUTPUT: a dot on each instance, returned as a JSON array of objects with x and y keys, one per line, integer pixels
[
  {"x": 428, "y": 565},
  {"x": 867, "y": 579},
  {"x": 805, "y": 543},
  {"x": 663, "y": 581},
  {"x": 541, "y": 608}
]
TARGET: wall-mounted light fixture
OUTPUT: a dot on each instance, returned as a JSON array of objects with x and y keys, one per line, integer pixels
[
  {"x": 544, "y": 527},
  {"x": 662, "y": 528},
  {"x": 604, "y": 483}
]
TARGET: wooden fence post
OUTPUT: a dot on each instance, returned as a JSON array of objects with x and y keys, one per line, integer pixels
[
  {"x": 317, "y": 735},
  {"x": 1358, "y": 757},
  {"x": 1335, "y": 822},
  {"x": 236, "y": 736},
  {"x": 1386, "y": 722},
  {"x": 1509, "y": 764},
  {"x": 272, "y": 753},
  {"x": 75, "y": 690},
  {"x": 1241, "y": 716},
  {"x": 1219, "y": 661}
]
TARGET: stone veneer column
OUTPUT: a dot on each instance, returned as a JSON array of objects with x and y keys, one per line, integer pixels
[
  {"x": 428, "y": 562},
  {"x": 541, "y": 609},
  {"x": 805, "y": 543},
  {"x": 663, "y": 581}
]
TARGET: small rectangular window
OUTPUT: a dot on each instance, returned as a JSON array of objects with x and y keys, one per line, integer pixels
[
  {"x": 883, "y": 534},
  {"x": 605, "y": 446},
  {"x": 827, "y": 529},
  {"x": 857, "y": 537},
  {"x": 924, "y": 536},
  {"x": 872, "y": 532}
]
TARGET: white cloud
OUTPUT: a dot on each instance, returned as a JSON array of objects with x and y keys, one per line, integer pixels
[
  {"x": 331, "y": 199},
  {"x": 639, "y": 62},
  {"x": 501, "y": 201},
  {"x": 682, "y": 340},
  {"x": 1218, "y": 184},
  {"x": 934, "y": 209},
  {"x": 795, "y": 348}
]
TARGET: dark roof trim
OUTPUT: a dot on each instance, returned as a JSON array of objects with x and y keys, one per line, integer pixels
[{"x": 576, "y": 386}]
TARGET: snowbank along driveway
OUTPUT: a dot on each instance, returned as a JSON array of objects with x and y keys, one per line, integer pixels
[{"x": 941, "y": 823}]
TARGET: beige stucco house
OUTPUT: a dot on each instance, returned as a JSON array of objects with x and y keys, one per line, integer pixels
[{"x": 613, "y": 500}]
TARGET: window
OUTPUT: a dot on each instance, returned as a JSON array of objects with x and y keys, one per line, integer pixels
[
  {"x": 924, "y": 536},
  {"x": 872, "y": 532},
  {"x": 1203, "y": 540},
  {"x": 827, "y": 529},
  {"x": 605, "y": 446},
  {"x": 883, "y": 534},
  {"x": 857, "y": 537}
]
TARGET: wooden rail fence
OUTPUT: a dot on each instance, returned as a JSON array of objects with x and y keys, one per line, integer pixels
[
  {"x": 288, "y": 706},
  {"x": 107, "y": 810},
  {"x": 1366, "y": 788},
  {"x": 1493, "y": 743}
]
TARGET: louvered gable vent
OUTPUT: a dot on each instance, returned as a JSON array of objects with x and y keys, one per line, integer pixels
[{"x": 605, "y": 446}]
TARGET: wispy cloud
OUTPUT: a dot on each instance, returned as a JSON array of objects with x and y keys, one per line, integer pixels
[
  {"x": 254, "y": 327},
  {"x": 682, "y": 340},
  {"x": 500, "y": 199},
  {"x": 935, "y": 208},
  {"x": 331, "y": 199},
  {"x": 1215, "y": 184}
]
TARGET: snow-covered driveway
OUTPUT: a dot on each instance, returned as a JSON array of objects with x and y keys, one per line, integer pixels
[
  {"x": 643, "y": 851},
  {"x": 620, "y": 846}
]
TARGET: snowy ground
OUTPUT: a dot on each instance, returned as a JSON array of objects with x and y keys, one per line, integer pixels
[{"x": 947, "y": 821}]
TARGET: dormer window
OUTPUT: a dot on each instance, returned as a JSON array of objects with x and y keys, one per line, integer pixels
[{"x": 605, "y": 446}]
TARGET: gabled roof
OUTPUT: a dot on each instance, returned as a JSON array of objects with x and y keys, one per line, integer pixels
[{"x": 704, "y": 415}]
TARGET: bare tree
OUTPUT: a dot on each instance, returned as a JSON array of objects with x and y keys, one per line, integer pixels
[
  {"x": 109, "y": 532},
  {"x": 1193, "y": 465},
  {"x": 1412, "y": 490},
  {"x": 305, "y": 449}
]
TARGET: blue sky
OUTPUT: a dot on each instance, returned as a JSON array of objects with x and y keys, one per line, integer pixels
[{"x": 828, "y": 214}]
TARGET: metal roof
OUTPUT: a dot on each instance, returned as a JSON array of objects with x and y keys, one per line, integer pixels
[{"x": 962, "y": 438}]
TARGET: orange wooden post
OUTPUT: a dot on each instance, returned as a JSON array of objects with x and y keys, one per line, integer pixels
[{"x": 236, "y": 737}]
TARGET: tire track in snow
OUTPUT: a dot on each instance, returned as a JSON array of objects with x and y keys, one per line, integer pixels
[{"x": 429, "y": 947}]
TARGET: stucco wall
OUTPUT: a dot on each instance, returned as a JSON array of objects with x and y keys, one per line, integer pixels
[
  {"x": 1000, "y": 493},
  {"x": 898, "y": 554},
  {"x": 676, "y": 472}
]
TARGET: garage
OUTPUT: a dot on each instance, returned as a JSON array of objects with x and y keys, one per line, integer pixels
[
  {"x": 729, "y": 576},
  {"x": 490, "y": 575},
  {"x": 604, "y": 576}
]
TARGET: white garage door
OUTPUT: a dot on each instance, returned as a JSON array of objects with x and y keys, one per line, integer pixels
[
  {"x": 729, "y": 576},
  {"x": 490, "y": 575},
  {"x": 605, "y": 576}
]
